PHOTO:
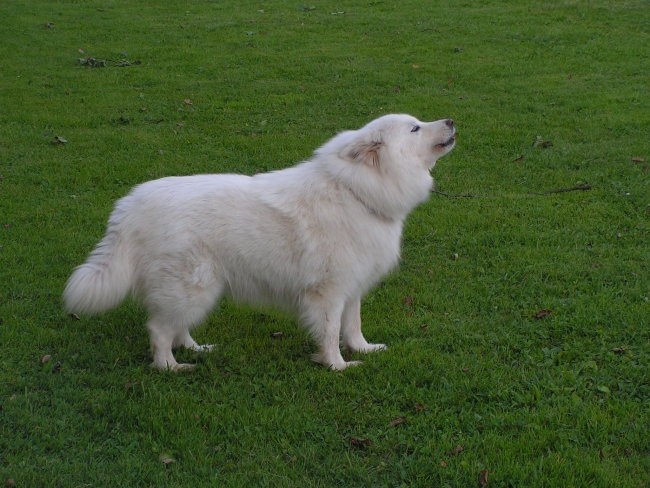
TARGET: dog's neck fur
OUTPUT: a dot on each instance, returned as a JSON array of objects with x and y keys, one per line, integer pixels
[{"x": 372, "y": 211}]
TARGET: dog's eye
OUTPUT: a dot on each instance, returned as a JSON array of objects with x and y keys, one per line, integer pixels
[{"x": 415, "y": 128}]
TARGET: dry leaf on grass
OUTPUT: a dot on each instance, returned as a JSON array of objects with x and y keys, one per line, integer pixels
[
  {"x": 130, "y": 385},
  {"x": 166, "y": 460},
  {"x": 360, "y": 442},
  {"x": 397, "y": 421},
  {"x": 542, "y": 143},
  {"x": 483, "y": 478},
  {"x": 456, "y": 450},
  {"x": 542, "y": 314}
]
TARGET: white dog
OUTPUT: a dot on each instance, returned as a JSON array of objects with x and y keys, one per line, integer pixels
[{"x": 312, "y": 239}]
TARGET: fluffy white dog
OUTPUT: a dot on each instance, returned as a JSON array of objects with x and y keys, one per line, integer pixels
[{"x": 312, "y": 239}]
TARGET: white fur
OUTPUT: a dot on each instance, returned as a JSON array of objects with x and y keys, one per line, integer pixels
[{"x": 312, "y": 239}]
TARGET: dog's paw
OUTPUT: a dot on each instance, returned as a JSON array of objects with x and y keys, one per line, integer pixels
[
  {"x": 174, "y": 367},
  {"x": 334, "y": 362},
  {"x": 375, "y": 347},
  {"x": 344, "y": 365},
  {"x": 182, "y": 367},
  {"x": 366, "y": 348},
  {"x": 201, "y": 347}
]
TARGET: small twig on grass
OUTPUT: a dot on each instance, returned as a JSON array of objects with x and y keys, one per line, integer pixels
[
  {"x": 582, "y": 187},
  {"x": 451, "y": 195},
  {"x": 92, "y": 62}
]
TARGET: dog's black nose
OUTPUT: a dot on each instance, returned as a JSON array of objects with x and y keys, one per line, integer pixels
[{"x": 449, "y": 123}]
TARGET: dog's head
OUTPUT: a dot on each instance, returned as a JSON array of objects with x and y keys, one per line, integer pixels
[
  {"x": 388, "y": 160},
  {"x": 401, "y": 139}
]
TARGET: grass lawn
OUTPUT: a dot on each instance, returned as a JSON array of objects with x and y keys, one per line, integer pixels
[{"x": 517, "y": 325}]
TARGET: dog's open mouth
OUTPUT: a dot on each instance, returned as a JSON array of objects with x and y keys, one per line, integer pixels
[{"x": 447, "y": 143}]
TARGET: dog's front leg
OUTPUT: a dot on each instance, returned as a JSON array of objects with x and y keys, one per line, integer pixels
[{"x": 323, "y": 318}]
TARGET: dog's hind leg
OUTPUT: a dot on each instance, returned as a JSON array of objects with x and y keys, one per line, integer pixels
[
  {"x": 351, "y": 334},
  {"x": 176, "y": 307},
  {"x": 162, "y": 336},
  {"x": 184, "y": 339}
]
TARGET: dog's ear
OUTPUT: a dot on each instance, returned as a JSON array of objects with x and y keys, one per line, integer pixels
[{"x": 364, "y": 150}]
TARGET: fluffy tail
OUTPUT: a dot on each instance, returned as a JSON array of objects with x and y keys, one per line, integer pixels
[{"x": 104, "y": 280}]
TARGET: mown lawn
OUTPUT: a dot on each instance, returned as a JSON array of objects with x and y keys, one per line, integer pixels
[{"x": 517, "y": 325}]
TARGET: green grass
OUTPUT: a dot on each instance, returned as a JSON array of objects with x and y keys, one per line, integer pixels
[{"x": 559, "y": 401}]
